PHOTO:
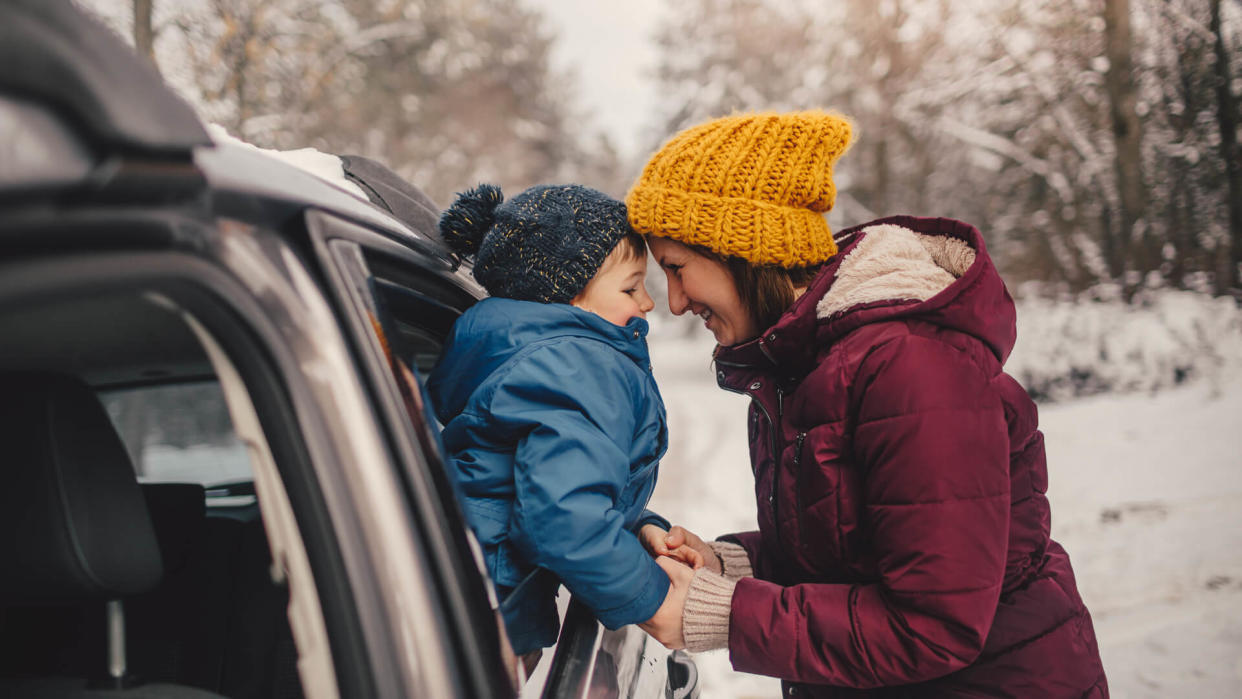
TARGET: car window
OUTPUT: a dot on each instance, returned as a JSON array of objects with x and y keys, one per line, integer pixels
[
  {"x": 179, "y": 433},
  {"x": 408, "y": 316}
]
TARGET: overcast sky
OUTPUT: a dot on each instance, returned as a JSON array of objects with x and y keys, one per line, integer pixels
[{"x": 609, "y": 44}]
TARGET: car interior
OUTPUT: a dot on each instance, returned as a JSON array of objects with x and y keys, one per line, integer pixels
[
  {"x": 128, "y": 493},
  {"x": 99, "y": 397}
]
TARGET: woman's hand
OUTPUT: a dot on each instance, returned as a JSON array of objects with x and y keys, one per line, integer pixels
[
  {"x": 665, "y": 625},
  {"x": 679, "y": 537},
  {"x": 655, "y": 540}
]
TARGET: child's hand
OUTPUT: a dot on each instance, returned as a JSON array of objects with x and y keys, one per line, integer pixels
[
  {"x": 687, "y": 555},
  {"x": 652, "y": 538},
  {"x": 681, "y": 538},
  {"x": 656, "y": 541}
]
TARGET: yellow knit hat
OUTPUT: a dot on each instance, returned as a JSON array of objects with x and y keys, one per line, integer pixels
[{"x": 753, "y": 186}]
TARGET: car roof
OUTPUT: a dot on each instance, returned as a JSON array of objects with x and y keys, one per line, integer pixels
[
  {"x": 247, "y": 175},
  {"x": 55, "y": 54},
  {"x": 238, "y": 170}
]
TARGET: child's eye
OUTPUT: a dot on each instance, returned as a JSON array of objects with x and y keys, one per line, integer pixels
[{"x": 630, "y": 291}]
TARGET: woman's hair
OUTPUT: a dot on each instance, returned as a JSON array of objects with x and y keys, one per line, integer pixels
[{"x": 767, "y": 291}]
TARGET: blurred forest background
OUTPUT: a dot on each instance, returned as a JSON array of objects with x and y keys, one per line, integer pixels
[{"x": 1095, "y": 142}]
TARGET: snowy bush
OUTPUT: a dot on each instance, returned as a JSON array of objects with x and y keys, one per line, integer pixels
[
  {"x": 1067, "y": 347},
  {"x": 1096, "y": 343}
]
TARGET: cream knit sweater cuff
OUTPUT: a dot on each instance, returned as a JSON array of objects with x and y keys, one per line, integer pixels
[
  {"x": 734, "y": 562},
  {"x": 705, "y": 618}
]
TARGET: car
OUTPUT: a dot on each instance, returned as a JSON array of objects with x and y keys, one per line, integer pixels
[{"x": 221, "y": 475}]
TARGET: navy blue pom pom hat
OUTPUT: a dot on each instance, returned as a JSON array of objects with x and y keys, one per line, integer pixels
[{"x": 545, "y": 244}]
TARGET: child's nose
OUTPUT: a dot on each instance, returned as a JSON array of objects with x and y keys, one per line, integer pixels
[{"x": 645, "y": 303}]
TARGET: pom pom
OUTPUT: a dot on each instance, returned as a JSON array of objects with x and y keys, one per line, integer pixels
[{"x": 470, "y": 217}]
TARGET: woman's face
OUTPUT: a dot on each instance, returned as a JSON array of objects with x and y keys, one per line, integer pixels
[{"x": 704, "y": 287}]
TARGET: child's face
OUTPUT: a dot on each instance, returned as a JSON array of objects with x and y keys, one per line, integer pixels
[{"x": 617, "y": 292}]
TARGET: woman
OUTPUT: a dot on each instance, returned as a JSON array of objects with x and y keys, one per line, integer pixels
[{"x": 899, "y": 472}]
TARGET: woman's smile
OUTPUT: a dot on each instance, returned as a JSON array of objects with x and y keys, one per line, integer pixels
[{"x": 703, "y": 286}]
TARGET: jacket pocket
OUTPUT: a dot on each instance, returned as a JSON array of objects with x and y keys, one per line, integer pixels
[
  {"x": 507, "y": 568},
  {"x": 819, "y": 471},
  {"x": 801, "y": 487},
  {"x": 489, "y": 517}
]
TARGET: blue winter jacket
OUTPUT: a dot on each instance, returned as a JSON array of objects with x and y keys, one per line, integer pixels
[{"x": 554, "y": 429}]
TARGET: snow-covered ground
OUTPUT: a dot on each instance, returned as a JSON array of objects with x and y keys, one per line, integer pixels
[{"x": 1144, "y": 489}]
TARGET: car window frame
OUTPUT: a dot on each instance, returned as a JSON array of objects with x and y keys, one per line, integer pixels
[
  {"x": 346, "y": 250},
  {"x": 290, "y": 561}
]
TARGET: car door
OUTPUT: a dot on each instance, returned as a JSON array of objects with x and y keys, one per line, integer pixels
[{"x": 397, "y": 305}]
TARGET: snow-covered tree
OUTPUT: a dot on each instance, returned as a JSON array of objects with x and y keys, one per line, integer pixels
[
  {"x": 1184, "y": 110},
  {"x": 447, "y": 92},
  {"x": 1085, "y": 155}
]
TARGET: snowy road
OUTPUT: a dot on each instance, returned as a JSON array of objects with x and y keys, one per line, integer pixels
[{"x": 1144, "y": 493}]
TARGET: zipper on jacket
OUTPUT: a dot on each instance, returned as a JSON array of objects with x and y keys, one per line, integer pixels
[
  {"x": 776, "y": 457},
  {"x": 776, "y": 461},
  {"x": 801, "y": 488}
]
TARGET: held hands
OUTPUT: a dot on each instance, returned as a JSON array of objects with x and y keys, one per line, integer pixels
[
  {"x": 679, "y": 538},
  {"x": 660, "y": 543},
  {"x": 671, "y": 550},
  {"x": 665, "y": 625}
]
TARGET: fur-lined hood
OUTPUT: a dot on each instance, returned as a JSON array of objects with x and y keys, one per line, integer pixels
[{"x": 935, "y": 269}]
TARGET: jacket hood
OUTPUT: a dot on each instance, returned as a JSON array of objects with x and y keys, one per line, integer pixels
[
  {"x": 495, "y": 329},
  {"x": 934, "y": 269}
]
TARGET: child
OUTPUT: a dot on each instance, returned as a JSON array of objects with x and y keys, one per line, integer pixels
[{"x": 552, "y": 420}]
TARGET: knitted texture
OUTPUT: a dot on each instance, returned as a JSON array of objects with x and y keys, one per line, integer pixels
[
  {"x": 734, "y": 561},
  {"x": 705, "y": 618},
  {"x": 753, "y": 186},
  {"x": 542, "y": 245}
]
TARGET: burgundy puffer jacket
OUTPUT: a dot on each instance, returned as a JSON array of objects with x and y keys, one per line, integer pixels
[{"x": 900, "y": 476}]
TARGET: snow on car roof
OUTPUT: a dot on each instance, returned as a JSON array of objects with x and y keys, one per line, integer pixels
[
  {"x": 325, "y": 166},
  {"x": 236, "y": 166}
]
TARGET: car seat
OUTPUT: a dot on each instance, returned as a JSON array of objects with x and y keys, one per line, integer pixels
[{"x": 76, "y": 532}]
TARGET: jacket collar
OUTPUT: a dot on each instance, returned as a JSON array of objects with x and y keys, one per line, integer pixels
[
  {"x": 901, "y": 266},
  {"x": 495, "y": 329}
]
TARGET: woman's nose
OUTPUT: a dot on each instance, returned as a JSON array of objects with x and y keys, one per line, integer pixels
[{"x": 677, "y": 301}]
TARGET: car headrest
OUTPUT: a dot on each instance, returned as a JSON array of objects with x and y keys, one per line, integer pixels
[
  {"x": 179, "y": 514},
  {"x": 74, "y": 520}
]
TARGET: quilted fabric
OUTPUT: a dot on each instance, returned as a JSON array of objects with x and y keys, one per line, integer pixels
[{"x": 903, "y": 544}]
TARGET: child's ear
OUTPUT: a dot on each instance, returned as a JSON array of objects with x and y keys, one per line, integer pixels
[{"x": 579, "y": 301}]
